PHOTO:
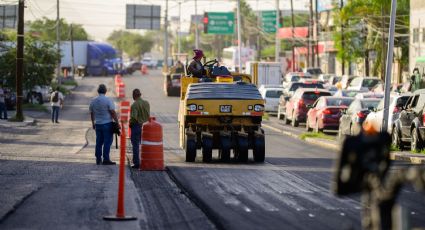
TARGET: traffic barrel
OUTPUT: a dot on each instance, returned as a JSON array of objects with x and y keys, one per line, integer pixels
[
  {"x": 117, "y": 79},
  {"x": 124, "y": 111},
  {"x": 144, "y": 69},
  {"x": 152, "y": 151},
  {"x": 121, "y": 90}
]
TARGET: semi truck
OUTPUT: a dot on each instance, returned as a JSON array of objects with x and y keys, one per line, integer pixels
[{"x": 90, "y": 58}]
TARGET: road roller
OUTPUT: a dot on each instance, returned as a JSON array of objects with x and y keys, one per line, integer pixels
[{"x": 221, "y": 111}]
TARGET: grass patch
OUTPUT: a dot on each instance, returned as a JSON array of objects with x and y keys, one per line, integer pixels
[
  {"x": 394, "y": 148},
  {"x": 35, "y": 107},
  {"x": 303, "y": 136},
  {"x": 419, "y": 152},
  {"x": 266, "y": 116}
]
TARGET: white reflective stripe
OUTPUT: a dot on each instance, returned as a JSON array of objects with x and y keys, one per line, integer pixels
[{"x": 151, "y": 142}]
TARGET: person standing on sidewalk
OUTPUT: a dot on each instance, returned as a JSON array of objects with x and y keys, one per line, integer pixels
[
  {"x": 3, "y": 108},
  {"x": 56, "y": 100},
  {"x": 102, "y": 113},
  {"x": 139, "y": 114}
]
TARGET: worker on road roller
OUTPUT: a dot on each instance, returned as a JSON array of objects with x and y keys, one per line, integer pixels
[{"x": 196, "y": 68}]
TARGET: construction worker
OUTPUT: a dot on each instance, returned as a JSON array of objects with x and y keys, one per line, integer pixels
[{"x": 195, "y": 67}]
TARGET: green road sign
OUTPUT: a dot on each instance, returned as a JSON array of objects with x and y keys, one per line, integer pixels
[
  {"x": 220, "y": 22},
  {"x": 268, "y": 21}
]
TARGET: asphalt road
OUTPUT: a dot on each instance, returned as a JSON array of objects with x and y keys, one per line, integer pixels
[{"x": 291, "y": 190}]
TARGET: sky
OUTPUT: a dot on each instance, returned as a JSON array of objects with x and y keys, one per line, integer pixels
[{"x": 101, "y": 17}]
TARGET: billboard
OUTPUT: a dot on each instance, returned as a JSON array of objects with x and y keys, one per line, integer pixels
[
  {"x": 143, "y": 17},
  {"x": 8, "y": 16}
]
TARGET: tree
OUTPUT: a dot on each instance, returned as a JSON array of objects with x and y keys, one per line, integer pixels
[
  {"x": 133, "y": 44},
  {"x": 45, "y": 29},
  {"x": 40, "y": 59},
  {"x": 374, "y": 15}
]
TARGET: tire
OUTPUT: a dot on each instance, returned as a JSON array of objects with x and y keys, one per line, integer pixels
[
  {"x": 190, "y": 150},
  {"x": 259, "y": 150},
  {"x": 416, "y": 144},
  {"x": 225, "y": 147},
  {"x": 207, "y": 149},
  {"x": 395, "y": 139},
  {"x": 242, "y": 149},
  {"x": 307, "y": 126},
  {"x": 286, "y": 120},
  {"x": 294, "y": 121}
]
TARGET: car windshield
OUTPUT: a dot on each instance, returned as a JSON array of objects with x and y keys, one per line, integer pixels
[
  {"x": 370, "y": 82},
  {"x": 349, "y": 93},
  {"x": 295, "y": 78},
  {"x": 273, "y": 93},
  {"x": 307, "y": 85},
  {"x": 369, "y": 104},
  {"x": 338, "y": 101},
  {"x": 314, "y": 95}
]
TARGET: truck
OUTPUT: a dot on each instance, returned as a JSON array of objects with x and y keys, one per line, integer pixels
[
  {"x": 264, "y": 73},
  {"x": 90, "y": 58},
  {"x": 230, "y": 57}
]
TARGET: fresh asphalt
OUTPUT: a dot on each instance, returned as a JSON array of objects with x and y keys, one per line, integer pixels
[{"x": 291, "y": 190}]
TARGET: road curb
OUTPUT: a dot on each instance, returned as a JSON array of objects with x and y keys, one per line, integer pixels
[{"x": 320, "y": 142}]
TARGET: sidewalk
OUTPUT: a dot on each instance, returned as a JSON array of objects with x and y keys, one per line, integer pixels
[{"x": 335, "y": 145}]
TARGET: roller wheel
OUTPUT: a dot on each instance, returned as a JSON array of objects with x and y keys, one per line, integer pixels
[
  {"x": 224, "y": 151},
  {"x": 259, "y": 149},
  {"x": 207, "y": 143},
  {"x": 190, "y": 150},
  {"x": 242, "y": 149}
]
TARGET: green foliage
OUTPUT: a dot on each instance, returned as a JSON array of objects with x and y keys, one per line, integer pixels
[
  {"x": 45, "y": 30},
  {"x": 363, "y": 22},
  {"x": 133, "y": 44},
  {"x": 40, "y": 58},
  {"x": 304, "y": 136}
]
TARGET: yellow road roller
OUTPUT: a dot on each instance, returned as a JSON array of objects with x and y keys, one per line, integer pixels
[{"x": 223, "y": 112}]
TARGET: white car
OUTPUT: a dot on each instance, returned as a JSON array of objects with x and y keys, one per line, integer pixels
[
  {"x": 364, "y": 83},
  {"x": 152, "y": 63},
  {"x": 38, "y": 95},
  {"x": 271, "y": 98},
  {"x": 396, "y": 102}
]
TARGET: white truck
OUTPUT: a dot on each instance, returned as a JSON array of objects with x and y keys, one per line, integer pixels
[{"x": 264, "y": 73}]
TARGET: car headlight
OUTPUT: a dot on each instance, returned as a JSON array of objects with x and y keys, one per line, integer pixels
[
  {"x": 258, "y": 108},
  {"x": 191, "y": 107}
]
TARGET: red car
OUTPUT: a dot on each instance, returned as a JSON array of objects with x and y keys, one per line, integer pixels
[
  {"x": 296, "y": 107},
  {"x": 325, "y": 113}
]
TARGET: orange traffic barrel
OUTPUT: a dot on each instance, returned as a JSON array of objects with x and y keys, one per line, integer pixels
[
  {"x": 152, "y": 151},
  {"x": 124, "y": 111},
  {"x": 117, "y": 79},
  {"x": 121, "y": 90}
]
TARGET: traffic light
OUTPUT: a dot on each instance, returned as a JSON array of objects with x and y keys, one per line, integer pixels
[{"x": 205, "y": 21}]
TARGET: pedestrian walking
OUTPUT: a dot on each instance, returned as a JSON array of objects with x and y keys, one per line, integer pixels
[
  {"x": 56, "y": 101},
  {"x": 3, "y": 108},
  {"x": 139, "y": 114},
  {"x": 102, "y": 113}
]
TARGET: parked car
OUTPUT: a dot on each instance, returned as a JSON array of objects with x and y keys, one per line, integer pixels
[
  {"x": 296, "y": 107},
  {"x": 38, "y": 94},
  {"x": 352, "y": 119},
  {"x": 133, "y": 67},
  {"x": 325, "y": 77},
  {"x": 289, "y": 91},
  {"x": 409, "y": 127},
  {"x": 369, "y": 95},
  {"x": 325, "y": 113},
  {"x": 271, "y": 98},
  {"x": 364, "y": 83},
  {"x": 347, "y": 93},
  {"x": 294, "y": 77},
  {"x": 334, "y": 79},
  {"x": 151, "y": 63},
  {"x": 397, "y": 102},
  {"x": 172, "y": 84},
  {"x": 346, "y": 80}
]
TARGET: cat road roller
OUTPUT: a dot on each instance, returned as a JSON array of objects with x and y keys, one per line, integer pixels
[{"x": 222, "y": 111}]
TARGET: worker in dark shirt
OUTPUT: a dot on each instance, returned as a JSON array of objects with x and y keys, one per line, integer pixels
[{"x": 195, "y": 67}]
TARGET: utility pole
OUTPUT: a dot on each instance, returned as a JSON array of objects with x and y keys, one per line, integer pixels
[
  {"x": 58, "y": 68},
  {"x": 293, "y": 35},
  {"x": 166, "y": 37},
  {"x": 389, "y": 66},
  {"x": 259, "y": 15},
  {"x": 310, "y": 63},
  {"x": 20, "y": 61},
  {"x": 72, "y": 52},
  {"x": 342, "y": 39},
  {"x": 317, "y": 34},
  {"x": 383, "y": 53},
  {"x": 239, "y": 36},
  {"x": 196, "y": 26},
  {"x": 178, "y": 31},
  {"x": 277, "y": 46}
]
